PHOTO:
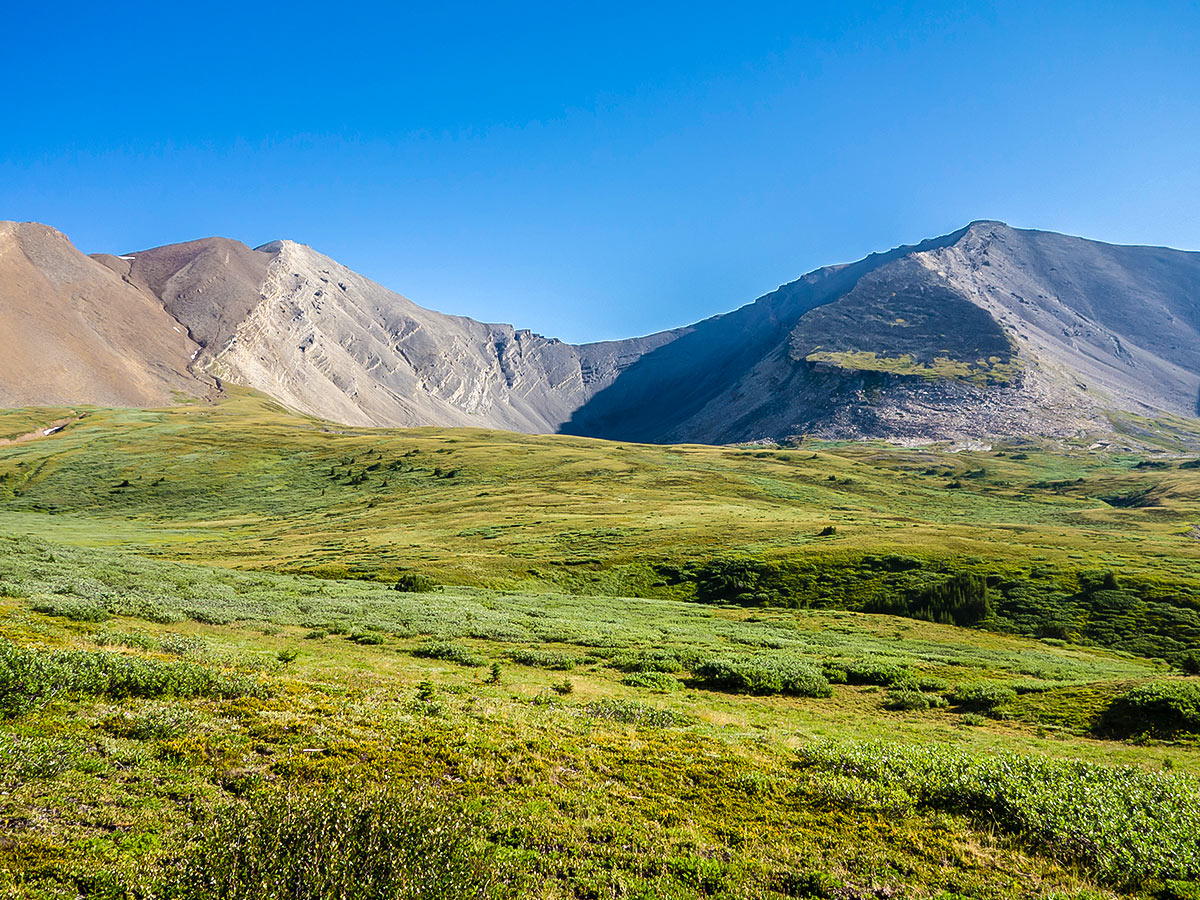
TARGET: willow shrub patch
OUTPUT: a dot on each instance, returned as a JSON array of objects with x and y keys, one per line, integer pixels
[
  {"x": 1163, "y": 709},
  {"x": 29, "y": 678},
  {"x": 1123, "y": 824},
  {"x": 761, "y": 675},
  {"x": 359, "y": 842}
]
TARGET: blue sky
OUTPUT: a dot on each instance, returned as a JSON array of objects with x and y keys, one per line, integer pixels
[{"x": 597, "y": 171}]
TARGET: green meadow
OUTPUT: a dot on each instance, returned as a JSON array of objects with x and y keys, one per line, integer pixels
[{"x": 246, "y": 653}]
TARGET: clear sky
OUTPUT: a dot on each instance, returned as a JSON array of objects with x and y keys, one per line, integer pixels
[{"x": 599, "y": 170}]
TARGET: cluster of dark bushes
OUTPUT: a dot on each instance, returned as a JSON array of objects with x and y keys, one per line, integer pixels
[
  {"x": 1164, "y": 709},
  {"x": 1140, "y": 615},
  {"x": 761, "y": 675},
  {"x": 730, "y": 672},
  {"x": 892, "y": 583},
  {"x": 415, "y": 583},
  {"x": 455, "y": 653},
  {"x": 543, "y": 659}
]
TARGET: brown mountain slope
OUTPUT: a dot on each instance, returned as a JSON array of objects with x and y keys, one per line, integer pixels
[
  {"x": 209, "y": 285},
  {"x": 71, "y": 331}
]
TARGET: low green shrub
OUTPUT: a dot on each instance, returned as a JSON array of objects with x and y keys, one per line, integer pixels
[
  {"x": 984, "y": 696},
  {"x": 630, "y": 712},
  {"x": 543, "y": 659},
  {"x": 427, "y": 701},
  {"x": 649, "y": 661},
  {"x": 8, "y": 589},
  {"x": 27, "y": 757},
  {"x": 135, "y": 640},
  {"x": 761, "y": 675},
  {"x": 76, "y": 611},
  {"x": 415, "y": 583},
  {"x": 1163, "y": 709},
  {"x": 29, "y": 678},
  {"x": 157, "y": 724},
  {"x": 909, "y": 699},
  {"x": 655, "y": 681},
  {"x": 809, "y": 884},
  {"x": 847, "y": 792},
  {"x": 867, "y": 671},
  {"x": 1124, "y": 825},
  {"x": 182, "y": 645},
  {"x": 1030, "y": 687},
  {"x": 749, "y": 582},
  {"x": 174, "y": 644},
  {"x": 345, "y": 842},
  {"x": 451, "y": 653}
]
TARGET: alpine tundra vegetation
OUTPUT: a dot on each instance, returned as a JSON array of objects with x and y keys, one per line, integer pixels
[{"x": 245, "y": 652}]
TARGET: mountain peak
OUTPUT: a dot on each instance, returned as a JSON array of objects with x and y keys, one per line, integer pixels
[{"x": 988, "y": 331}]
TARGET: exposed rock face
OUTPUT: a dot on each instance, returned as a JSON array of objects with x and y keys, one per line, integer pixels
[
  {"x": 986, "y": 332},
  {"x": 1122, "y": 323},
  {"x": 71, "y": 331},
  {"x": 326, "y": 341}
]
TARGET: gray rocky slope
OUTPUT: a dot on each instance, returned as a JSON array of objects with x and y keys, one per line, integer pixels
[
  {"x": 326, "y": 341},
  {"x": 987, "y": 332},
  {"x": 990, "y": 331}
]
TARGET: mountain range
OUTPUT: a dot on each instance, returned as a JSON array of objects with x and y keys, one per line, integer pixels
[{"x": 988, "y": 332}]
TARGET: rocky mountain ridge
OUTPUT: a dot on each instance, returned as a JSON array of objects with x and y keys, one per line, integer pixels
[{"x": 986, "y": 332}]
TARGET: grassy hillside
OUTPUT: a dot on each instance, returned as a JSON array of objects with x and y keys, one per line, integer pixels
[
  {"x": 245, "y": 483},
  {"x": 854, "y": 526},
  {"x": 647, "y": 671}
]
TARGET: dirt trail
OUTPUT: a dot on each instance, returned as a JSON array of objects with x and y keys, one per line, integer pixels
[{"x": 44, "y": 431}]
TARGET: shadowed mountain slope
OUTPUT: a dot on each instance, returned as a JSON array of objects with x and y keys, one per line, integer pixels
[{"x": 990, "y": 331}]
